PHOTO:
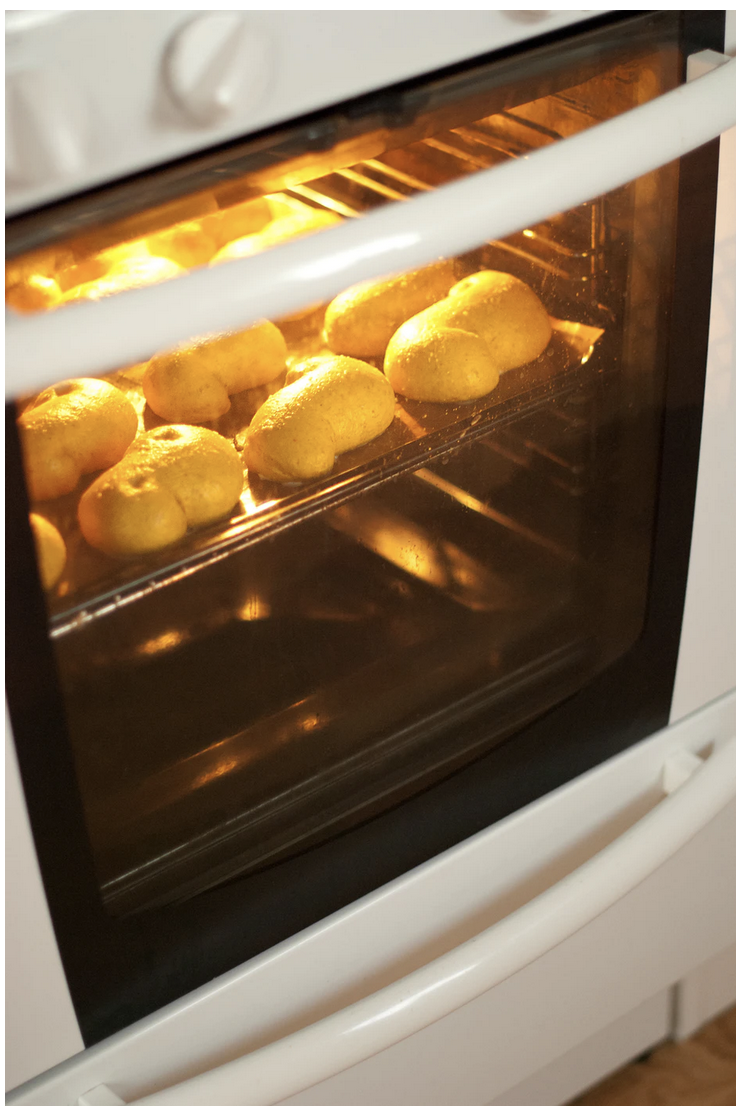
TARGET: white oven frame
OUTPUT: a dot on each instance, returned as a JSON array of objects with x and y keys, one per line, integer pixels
[
  {"x": 192, "y": 1033},
  {"x": 126, "y": 126}
]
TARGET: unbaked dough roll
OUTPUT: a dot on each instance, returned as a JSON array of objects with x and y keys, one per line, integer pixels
[
  {"x": 194, "y": 383},
  {"x": 337, "y": 405},
  {"x": 50, "y": 550},
  {"x": 76, "y": 427},
  {"x": 171, "y": 479},
  {"x": 361, "y": 321},
  {"x": 455, "y": 350}
]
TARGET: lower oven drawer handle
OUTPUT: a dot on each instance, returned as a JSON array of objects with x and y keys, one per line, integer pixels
[
  {"x": 89, "y": 338},
  {"x": 321, "y": 1050}
]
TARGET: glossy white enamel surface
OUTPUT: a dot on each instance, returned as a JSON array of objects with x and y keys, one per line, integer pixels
[
  {"x": 392, "y": 941},
  {"x": 116, "y": 62},
  {"x": 41, "y": 1028},
  {"x": 706, "y": 664},
  {"x": 595, "y": 1058},
  {"x": 706, "y": 992},
  {"x": 462, "y": 975},
  {"x": 89, "y": 338}
]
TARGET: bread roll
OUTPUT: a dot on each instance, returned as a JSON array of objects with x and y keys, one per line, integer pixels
[
  {"x": 172, "y": 478},
  {"x": 234, "y": 222},
  {"x": 295, "y": 225},
  {"x": 74, "y": 428},
  {"x": 455, "y": 350},
  {"x": 194, "y": 383},
  {"x": 337, "y": 405},
  {"x": 361, "y": 321},
  {"x": 36, "y": 293},
  {"x": 45, "y": 263},
  {"x": 82, "y": 272},
  {"x": 50, "y": 550},
  {"x": 187, "y": 245},
  {"x": 125, "y": 273}
]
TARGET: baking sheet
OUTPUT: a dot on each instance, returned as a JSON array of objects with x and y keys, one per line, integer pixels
[{"x": 93, "y": 583}]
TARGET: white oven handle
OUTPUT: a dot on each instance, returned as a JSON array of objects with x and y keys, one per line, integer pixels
[
  {"x": 92, "y": 338},
  {"x": 696, "y": 791}
]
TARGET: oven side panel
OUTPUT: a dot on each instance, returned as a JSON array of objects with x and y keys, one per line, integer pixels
[
  {"x": 42, "y": 1028},
  {"x": 707, "y": 659}
]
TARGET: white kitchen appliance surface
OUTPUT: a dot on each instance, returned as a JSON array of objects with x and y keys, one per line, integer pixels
[
  {"x": 617, "y": 968},
  {"x": 303, "y": 988},
  {"x": 93, "y": 95}
]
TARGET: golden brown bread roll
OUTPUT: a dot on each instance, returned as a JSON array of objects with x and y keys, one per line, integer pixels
[
  {"x": 361, "y": 321},
  {"x": 194, "y": 383},
  {"x": 294, "y": 225},
  {"x": 81, "y": 272},
  {"x": 35, "y": 293},
  {"x": 126, "y": 272},
  {"x": 76, "y": 427},
  {"x": 455, "y": 350},
  {"x": 47, "y": 263},
  {"x": 187, "y": 245},
  {"x": 50, "y": 550},
  {"x": 171, "y": 478},
  {"x": 234, "y": 222},
  {"x": 337, "y": 405}
]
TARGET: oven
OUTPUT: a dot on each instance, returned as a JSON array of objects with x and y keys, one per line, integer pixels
[{"x": 369, "y": 531}]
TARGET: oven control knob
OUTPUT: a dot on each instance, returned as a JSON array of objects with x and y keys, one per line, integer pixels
[
  {"x": 216, "y": 66},
  {"x": 46, "y": 127}
]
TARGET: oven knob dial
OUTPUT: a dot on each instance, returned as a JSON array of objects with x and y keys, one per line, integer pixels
[
  {"x": 216, "y": 66},
  {"x": 46, "y": 127}
]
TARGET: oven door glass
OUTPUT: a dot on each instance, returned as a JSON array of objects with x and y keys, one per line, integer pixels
[{"x": 297, "y": 576}]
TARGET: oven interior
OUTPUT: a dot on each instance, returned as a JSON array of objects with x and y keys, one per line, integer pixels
[{"x": 331, "y": 647}]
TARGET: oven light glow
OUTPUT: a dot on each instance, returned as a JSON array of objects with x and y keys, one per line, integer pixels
[
  {"x": 161, "y": 644},
  {"x": 222, "y": 768},
  {"x": 254, "y": 609}
]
